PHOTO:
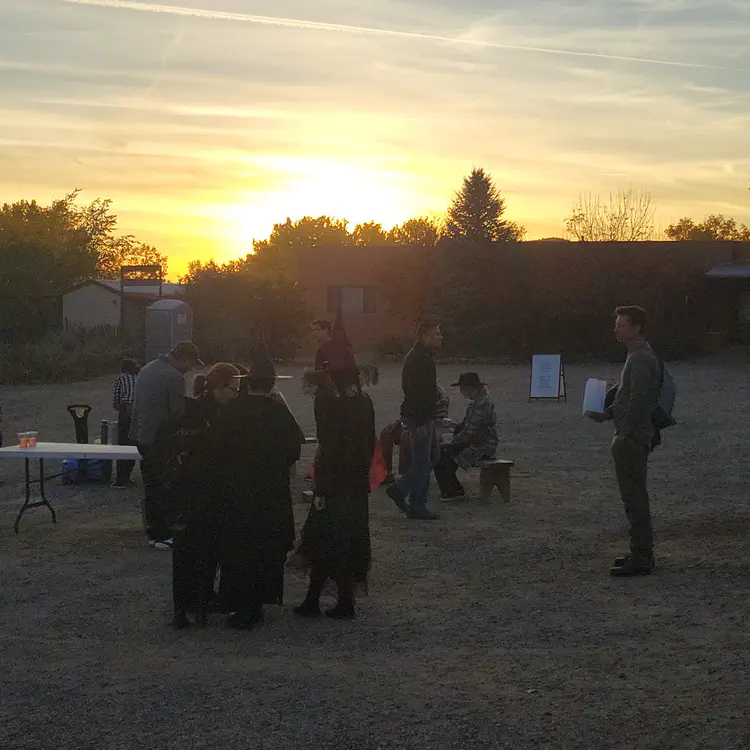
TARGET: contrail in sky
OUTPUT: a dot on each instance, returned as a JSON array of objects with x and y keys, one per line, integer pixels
[{"x": 294, "y": 23}]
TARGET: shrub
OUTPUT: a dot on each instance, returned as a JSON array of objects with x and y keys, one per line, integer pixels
[{"x": 64, "y": 356}]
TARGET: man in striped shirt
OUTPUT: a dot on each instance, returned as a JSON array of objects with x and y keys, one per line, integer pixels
[{"x": 123, "y": 396}]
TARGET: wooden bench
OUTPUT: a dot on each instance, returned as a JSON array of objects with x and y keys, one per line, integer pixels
[{"x": 494, "y": 472}]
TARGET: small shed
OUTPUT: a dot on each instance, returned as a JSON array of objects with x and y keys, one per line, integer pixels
[
  {"x": 103, "y": 302},
  {"x": 168, "y": 321}
]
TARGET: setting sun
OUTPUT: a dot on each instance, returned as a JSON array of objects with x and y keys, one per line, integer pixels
[
  {"x": 316, "y": 187},
  {"x": 227, "y": 122}
]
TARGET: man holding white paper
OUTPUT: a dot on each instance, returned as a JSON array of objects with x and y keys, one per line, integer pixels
[{"x": 632, "y": 410}]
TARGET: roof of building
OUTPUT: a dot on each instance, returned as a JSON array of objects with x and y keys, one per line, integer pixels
[
  {"x": 168, "y": 289},
  {"x": 730, "y": 271}
]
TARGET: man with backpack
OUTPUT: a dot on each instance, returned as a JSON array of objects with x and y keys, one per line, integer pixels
[{"x": 637, "y": 418}]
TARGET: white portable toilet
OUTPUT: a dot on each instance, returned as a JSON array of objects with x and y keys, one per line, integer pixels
[{"x": 168, "y": 321}]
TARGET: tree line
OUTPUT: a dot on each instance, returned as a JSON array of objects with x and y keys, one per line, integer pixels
[{"x": 44, "y": 250}]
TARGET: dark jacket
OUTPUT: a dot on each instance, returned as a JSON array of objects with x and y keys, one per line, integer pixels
[
  {"x": 159, "y": 401},
  {"x": 419, "y": 383},
  {"x": 635, "y": 400}
]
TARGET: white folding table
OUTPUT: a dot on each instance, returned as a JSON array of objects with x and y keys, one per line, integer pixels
[{"x": 60, "y": 451}]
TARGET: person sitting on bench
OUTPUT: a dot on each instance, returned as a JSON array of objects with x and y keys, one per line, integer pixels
[{"x": 474, "y": 439}]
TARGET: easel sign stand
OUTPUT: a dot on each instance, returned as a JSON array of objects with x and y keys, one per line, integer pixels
[{"x": 547, "y": 382}]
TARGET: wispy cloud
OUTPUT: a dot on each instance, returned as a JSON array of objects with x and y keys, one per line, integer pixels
[
  {"x": 371, "y": 31},
  {"x": 206, "y": 126}
]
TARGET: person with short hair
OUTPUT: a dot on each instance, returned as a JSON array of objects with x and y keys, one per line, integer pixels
[
  {"x": 197, "y": 510},
  {"x": 418, "y": 412},
  {"x": 123, "y": 396},
  {"x": 632, "y": 411},
  {"x": 158, "y": 408},
  {"x": 473, "y": 440}
]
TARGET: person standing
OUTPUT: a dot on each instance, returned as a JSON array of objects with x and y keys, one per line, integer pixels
[
  {"x": 632, "y": 412},
  {"x": 418, "y": 412},
  {"x": 255, "y": 442},
  {"x": 123, "y": 395},
  {"x": 158, "y": 408},
  {"x": 321, "y": 332},
  {"x": 335, "y": 540},
  {"x": 196, "y": 510}
]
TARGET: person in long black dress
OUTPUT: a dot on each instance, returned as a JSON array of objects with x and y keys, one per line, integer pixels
[
  {"x": 336, "y": 537},
  {"x": 194, "y": 550},
  {"x": 255, "y": 441}
]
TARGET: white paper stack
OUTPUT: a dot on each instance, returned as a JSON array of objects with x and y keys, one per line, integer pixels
[{"x": 593, "y": 396}]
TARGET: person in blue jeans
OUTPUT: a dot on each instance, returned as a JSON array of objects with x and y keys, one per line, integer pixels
[{"x": 418, "y": 413}]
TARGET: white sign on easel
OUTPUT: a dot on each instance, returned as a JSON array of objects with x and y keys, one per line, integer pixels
[{"x": 547, "y": 378}]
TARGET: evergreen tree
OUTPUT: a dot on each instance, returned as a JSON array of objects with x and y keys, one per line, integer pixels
[{"x": 476, "y": 212}]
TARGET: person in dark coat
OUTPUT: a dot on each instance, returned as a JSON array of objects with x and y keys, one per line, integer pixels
[
  {"x": 194, "y": 550},
  {"x": 335, "y": 539},
  {"x": 418, "y": 412},
  {"x": 255, "y": 443}
]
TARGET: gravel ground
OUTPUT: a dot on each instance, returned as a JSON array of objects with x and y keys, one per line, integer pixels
[{"x": 496, "y": 627}]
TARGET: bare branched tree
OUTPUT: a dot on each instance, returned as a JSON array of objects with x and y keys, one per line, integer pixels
[{"x": 627, "y": 216}]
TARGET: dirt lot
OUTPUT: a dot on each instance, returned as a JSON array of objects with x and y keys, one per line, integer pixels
[{"x": 497, "y": 627}]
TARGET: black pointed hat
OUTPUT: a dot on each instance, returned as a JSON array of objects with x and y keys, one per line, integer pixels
[
  {"x": 340, "y": 349},
  {"x": 261, "y": 366},
  {"x": 338, "y": 333}
]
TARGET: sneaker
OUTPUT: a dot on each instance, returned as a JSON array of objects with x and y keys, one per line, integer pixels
[
  {"x": 620, "y": 561},
  {"x": 424, "y": 515},
  {"x": 450, "y": 498},
  {"x": 163, "y": 546}
]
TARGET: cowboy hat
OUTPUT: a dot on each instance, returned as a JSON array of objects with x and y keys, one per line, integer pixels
[{"x": 468, "y": 380}]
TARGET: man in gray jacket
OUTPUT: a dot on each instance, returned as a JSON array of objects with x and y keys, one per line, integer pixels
[
  {"x": 632, "y": 411},
  {"x": 157, "y": 410}
]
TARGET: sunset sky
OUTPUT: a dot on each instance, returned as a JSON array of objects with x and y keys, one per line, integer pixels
[{"x": 207, "y": 121}]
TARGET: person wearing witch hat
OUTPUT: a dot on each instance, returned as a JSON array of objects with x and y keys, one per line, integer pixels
[
  {"x": 256, "y": 441},
  {"x": 473, "y": 440},
  {"x": 335, "y": 541},
  {"x": 336, "y": 351}
]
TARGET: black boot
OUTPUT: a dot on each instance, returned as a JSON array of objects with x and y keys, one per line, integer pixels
[
  {"x": 245, "y": 620},
  {"x": 634, "y": 565},
  {"x": 201, "y": 614},
  {"x": 310, "y": 607},
  {"x": 344, "y": 609},
  {"x": 180, "y": 619}
]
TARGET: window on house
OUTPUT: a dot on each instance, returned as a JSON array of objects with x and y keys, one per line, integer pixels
[{"x": 351, "y": 299}]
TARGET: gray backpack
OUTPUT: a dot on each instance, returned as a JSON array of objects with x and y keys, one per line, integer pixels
[{"x": 662, "y": 417}]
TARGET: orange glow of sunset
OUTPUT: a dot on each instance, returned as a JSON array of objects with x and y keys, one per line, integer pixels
[{"x": 209, "y": 121}]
